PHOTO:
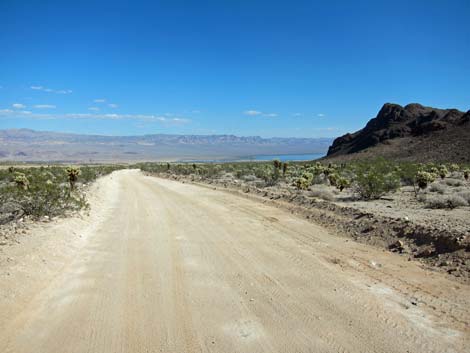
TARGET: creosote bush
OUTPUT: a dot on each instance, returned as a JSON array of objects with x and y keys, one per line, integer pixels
[{"x": 374, "y": 180}]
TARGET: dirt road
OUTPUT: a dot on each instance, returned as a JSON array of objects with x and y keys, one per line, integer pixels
[{"x": 161, "y": 266}]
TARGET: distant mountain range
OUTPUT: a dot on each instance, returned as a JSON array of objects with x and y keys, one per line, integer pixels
[
  {"x": 413, "y": 132},
  {"x": 31, "y": 146}
]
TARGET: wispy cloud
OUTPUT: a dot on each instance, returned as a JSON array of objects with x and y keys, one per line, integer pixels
[
  {"x": 95, "y": 109},
  {"x": 18, "y": 106},
  {"x": 297, "y": 115},
  {"x": 112, "y": 105},
  {"x": 259, "y": 113},
  {"x": 321, "y": 115},
  {"x": 50, "y": 90},
  {"x": 99, "y": 100},
  {"x": 44, "y": 106},
  {"x": 252, "y": 112},
  {"x": 96, "y": 116}
]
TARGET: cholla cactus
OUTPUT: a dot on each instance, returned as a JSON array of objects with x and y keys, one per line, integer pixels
[
  {"x": 342, "y": 183},
  {"x": 21, "y": 181},
  {"x": 333, "y": 179},
  {"x": 454, "y": 167},
  {"x": 277, "y": 164},
  {"x": 72, "y": 176},
  {"x": 443, "y": 171},
  {"x": 302, "y": 183},
  {"x": 466, "y": 174},
  {"x": 318, "y": 169},
  {"x": 284, "y": 168},
  {"x": 423, "y": 179}
]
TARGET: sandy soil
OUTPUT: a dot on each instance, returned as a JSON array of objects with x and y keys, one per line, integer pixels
[{"x": 162, "y": 266}]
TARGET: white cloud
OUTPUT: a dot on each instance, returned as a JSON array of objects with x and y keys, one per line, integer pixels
[
  {"x": 44, "y": 106},
  {"x": 99, "y": 100},
  {"x": 258, "y": 113},
  {"x": 112, "y": 105},
  {"x": 50, "y": 90},
  {"x": 320, "y": 115},
  {"x": 252, "y": 112},
  {"x": 95, "y": 109},
  {"x": 141, "y": 117},
  {"x": 18, "y": 106}
]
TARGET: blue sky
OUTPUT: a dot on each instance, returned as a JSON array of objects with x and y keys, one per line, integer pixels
[{"x": 268, "y": 68}]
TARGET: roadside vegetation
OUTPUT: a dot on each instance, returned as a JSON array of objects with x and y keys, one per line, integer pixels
[
  {"x": 434, "y": 185},
  {"x": 45, "y": 191}
]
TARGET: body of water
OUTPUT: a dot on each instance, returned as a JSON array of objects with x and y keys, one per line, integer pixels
[{"x": 286, "y": 157}]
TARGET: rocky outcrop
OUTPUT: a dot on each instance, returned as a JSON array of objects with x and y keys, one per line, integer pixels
[{"x": 413, "y": 121}]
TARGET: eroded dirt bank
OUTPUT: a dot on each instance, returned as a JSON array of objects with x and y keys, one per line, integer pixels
[{"x": 162, "y": 266}]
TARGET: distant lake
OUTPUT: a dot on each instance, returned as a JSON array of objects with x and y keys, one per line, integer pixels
[
  {"x": 261, "y": 158},
  {"x": 286, "y": 157}
]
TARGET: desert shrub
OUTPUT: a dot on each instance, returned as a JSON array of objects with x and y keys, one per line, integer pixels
[
  {"x": 407, "y": 173},
  {"x": 423, "y": 179},
  {"x": 445, "y": 201},
  {"x": 261, "y": 173},
  {"x": 466, "y": 174},
  {"x": 322, "y": 193},
  {"x": 375, "y": 179},
  {"x": 273, "y": 178},
  {"x": 465, "y": 195},
  {"x": 453, "y": 182},
  {"x": 438, "y": 187}
]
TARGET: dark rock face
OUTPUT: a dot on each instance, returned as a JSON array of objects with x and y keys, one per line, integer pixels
[{"x": 394, "y": 121}]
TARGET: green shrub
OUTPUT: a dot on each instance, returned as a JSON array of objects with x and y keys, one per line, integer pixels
[{"x": 375, "y": 179}]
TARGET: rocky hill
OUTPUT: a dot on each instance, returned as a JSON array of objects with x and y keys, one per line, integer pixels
[
  {"x": 413, "y": 132},
  {"x": 30, "y": 145}
]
